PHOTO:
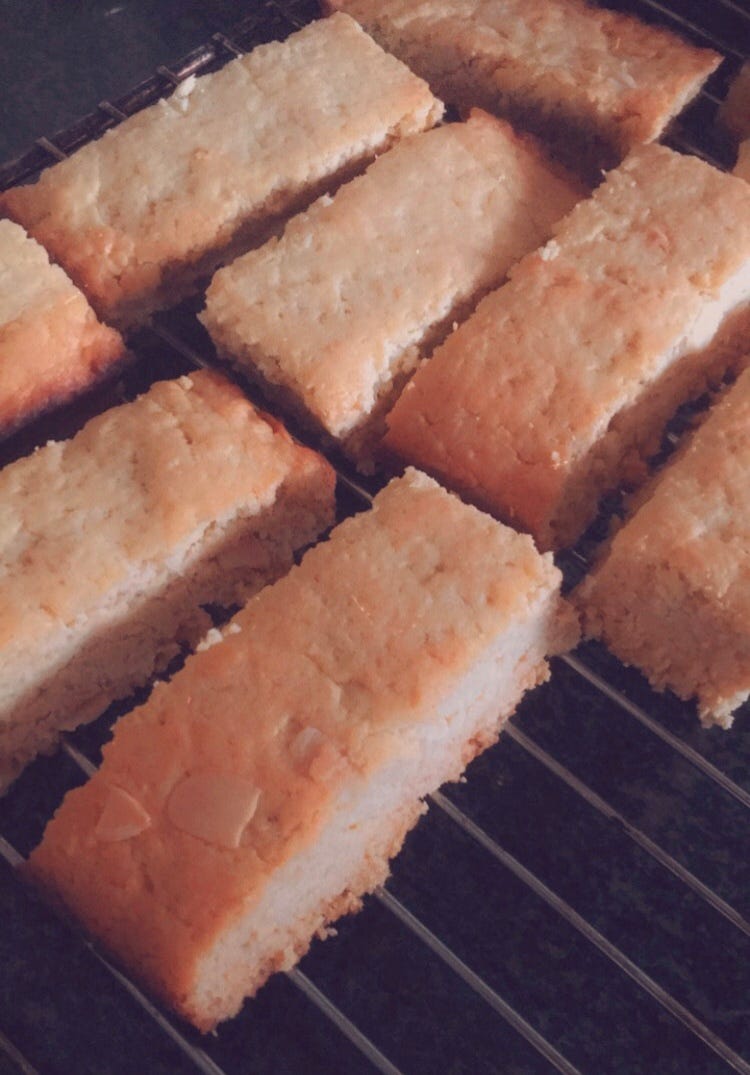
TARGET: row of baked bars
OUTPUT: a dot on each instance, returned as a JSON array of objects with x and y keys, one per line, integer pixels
[
  {"x": 186, "y": 496},
  {"x": 127, "y": 815},
  {"x": 141, "y": 241},
  {"x": 646, "y": 283},
  {"x": 357, "y": 333}
]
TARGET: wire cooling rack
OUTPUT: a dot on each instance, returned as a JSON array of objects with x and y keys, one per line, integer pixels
[{"x": 580, "y": 904}]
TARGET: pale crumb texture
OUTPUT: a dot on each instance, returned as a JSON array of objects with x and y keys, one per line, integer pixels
[
  {"x": 735, "y": 110},
  {"x": 52, "y": 345},
  {"x": 341, "y": 309},
  {"x": 264, "y": 789},
  {"x": 742, "y": 168},
  {"x": 110, "y": 543},
  {"x": 136, "y": 215},
  {"x": 595, "y": 83},
  {"x": 559, "y": 386},
  {"x": 672, "y": 592}
]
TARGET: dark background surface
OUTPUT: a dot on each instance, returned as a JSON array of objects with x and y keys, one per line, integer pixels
[
  {"x": 59, "y": 58},
  {"x": 66, "y": 1013}
]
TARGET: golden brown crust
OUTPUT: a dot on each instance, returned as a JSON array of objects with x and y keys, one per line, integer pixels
[
  {"x": 548, "y": 390},
  {"x": 120, "y": 488},
  {"x": 134, "y": 215},
  {"x": 672, "y": 592},
  {"x": 595, "y": 82},
  {"x": 340, "y": 329},
  {"x": 389, "y": 615},
  {"x": 51, "y": 344},
  {"x": 112, "y": 541}
]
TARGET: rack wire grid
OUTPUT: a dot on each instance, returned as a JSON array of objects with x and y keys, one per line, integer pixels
[{"x": 579, "y": 904}]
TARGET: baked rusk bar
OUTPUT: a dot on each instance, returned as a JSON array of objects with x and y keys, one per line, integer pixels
[
  {"x": 595, "y": 83},
  {"x": 672, "y": 591},
  {"x": 338, "y": 313},
  {"x": 52, "y": 345},
  {"x": 742, "y": 168},
  {"x": 135, "y": 217},
  {"x": 559, "y": 387},
  {"x": 260, "y": 794},
  {"x": 111, "y": 542}
]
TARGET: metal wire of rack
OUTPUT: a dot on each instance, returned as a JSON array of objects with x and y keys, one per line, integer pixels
[{"x": 600, "y": 849}]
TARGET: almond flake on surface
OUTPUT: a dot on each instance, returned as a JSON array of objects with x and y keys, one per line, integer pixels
[
  {"x": 215, "y": 807},
  {"x": 122, "y": 817}
]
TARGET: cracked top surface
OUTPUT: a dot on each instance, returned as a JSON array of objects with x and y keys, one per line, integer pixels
[
  {"x": 249, "y": 743},
  {"x": 81, "y": 516},
  {"x": 528, "y": 384}
]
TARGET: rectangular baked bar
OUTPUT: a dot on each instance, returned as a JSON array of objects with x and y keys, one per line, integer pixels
[
  {"x": 135, "y": 217},
  {"x": 338, "y": 312},
  {"x": 559, "y": 386},
  {"x": 111, "y": 542},
  {"x": 595, "y": 83},
  {"x": 260, "y": 793},
  {"x": 672, "y": 591},
  {"x": 52, "y": 345},
  {"x": 742, "y": 167}
]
